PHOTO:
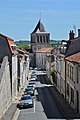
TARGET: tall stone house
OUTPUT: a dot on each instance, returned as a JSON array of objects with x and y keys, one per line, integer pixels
[
  {"x": 40, "y": 38},
  {"x": 67, "y": 68},
  {"x": 14, "y": 68},
  {"x": 72, "y": 80}
]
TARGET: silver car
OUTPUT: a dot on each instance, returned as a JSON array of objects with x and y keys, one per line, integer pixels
[{"x": 25, "y": 102}]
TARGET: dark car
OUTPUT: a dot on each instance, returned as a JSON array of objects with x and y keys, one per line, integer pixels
[
  {"x": 29, "y": 90},
  {"x": 25, "y": 102},
  {"x": 32, "y": 84},
  {"x": 34, "y": 77}
]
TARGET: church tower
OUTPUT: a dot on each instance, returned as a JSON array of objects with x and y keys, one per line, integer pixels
[{"x": 39, "y": 37}]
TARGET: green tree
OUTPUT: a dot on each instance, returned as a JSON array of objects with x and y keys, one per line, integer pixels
[{"x": 24, "y": 46}]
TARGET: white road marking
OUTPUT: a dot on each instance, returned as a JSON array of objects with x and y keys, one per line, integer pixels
[
  {"x": 34, "y": 103},
  {"x": 15, "y": 116}
]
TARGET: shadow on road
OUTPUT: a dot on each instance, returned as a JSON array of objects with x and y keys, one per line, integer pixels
[{"x": 47, "y": 104}]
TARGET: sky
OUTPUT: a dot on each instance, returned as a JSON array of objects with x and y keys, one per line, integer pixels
[{"x": 18, "y": 18}]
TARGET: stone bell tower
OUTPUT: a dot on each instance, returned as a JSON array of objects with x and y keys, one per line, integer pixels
[{"x": 39, "y": 37}]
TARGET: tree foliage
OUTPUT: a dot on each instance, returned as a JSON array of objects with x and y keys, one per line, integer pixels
[{"x": 24, "y": 46}]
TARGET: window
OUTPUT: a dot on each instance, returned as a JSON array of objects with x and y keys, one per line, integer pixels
[
  {"x": 68, "y": 70},
  {"x": 72, "y": 95},
  {"x": 67, "y": 89},
  {"x": 72, "y": 73},
  {"x": 77, "y": 75}
]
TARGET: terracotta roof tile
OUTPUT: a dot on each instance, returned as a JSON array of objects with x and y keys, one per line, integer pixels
[
  {"x": 45, "y": 50},
  {"x": 9, "y": 41},
  {"x": 74, "y": 58}
]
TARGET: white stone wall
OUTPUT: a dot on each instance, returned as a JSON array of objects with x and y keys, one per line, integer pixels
[
  {"x": 24, "y": 71},
  {"x": 41, "y": 60},
  {"x": 14, "y": 77},
  {"x": 5, "y": 87}
]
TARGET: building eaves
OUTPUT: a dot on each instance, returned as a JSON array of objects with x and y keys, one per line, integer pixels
[
  {"x": 74, "y": 47},
  {"x": 9, "y": 42},
  {"x": 45, "y": 50},
  {"x": 74, "y": 58}
]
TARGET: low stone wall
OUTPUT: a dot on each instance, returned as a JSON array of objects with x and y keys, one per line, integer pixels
[{"x": 5, "y": 86}]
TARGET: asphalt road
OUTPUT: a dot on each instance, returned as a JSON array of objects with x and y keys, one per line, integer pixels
[{"x": 44, "y": 106}]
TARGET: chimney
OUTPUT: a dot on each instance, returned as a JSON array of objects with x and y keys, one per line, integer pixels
[
  {"x": 78, "y": 32},
  {"x": 71, "y": 35}
]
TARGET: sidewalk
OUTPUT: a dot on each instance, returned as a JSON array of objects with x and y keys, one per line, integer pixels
[
  {"x": 12, "y": 109},
  {"x": 67, "y": 111},
  {"x": 10, "y": 112}
]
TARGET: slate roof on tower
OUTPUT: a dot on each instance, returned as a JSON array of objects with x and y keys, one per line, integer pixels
[{"x": 39, "y": 27}]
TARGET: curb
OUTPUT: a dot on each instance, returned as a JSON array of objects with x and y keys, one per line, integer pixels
[{"x": 16, "y": 114}]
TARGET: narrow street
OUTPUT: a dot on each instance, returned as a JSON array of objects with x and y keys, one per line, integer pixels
[{"x": 44, "y": 106}]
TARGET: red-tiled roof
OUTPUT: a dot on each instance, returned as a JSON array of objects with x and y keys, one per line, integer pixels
[
  {"x": 74, "y": 58},
  {"x": 9, "y": 41},
  {"x": 45, "y": 50}
]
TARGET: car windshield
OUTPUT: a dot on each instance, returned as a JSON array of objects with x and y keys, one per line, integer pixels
[
  {"x": 25, "y": 98},
  {"x": 29, "y": 87}
]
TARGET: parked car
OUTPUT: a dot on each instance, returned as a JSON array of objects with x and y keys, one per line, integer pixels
[
  {"x": 35, "y": 68},
  {"x": 31, "y": 84},
  {"x": 25, "y": 102},
  {"x": 33, "y": 79},
  {"x": 29, "y": 90},
  {"x": 34, "y": 76},
  {"x": 31, "y": 68}
]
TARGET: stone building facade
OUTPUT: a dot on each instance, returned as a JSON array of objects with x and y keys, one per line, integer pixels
[
  {"x": 41, "y": 56},
  {"x": 72, "y": 80},
  {"x": 10, "y": 71},
  {"x": 40, "y": 38},
  {"x": 67, "y": 69},
  {"x": 8, "y": 48},
  {"x": 5, "y": 86}
]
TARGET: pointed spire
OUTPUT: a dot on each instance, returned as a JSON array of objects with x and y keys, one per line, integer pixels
[{"x": 40, "y": 27}]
